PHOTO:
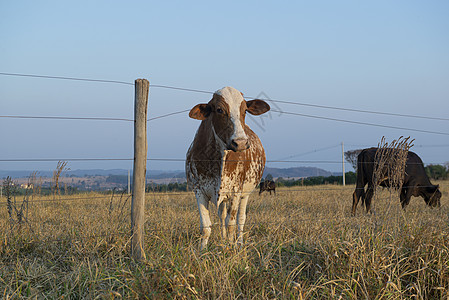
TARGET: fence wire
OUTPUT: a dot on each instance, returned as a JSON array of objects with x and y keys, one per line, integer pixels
[
  {"x": 153, "y": 193},
  {"x": 212, "y": 92},
  {"x": 67, "y": 78},
  {"x": 111, "y": 198},
  {"x": 360, "y": 123},
  {"x": 184, "y": 160}
]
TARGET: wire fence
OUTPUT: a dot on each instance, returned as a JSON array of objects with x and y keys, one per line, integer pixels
[
  {"x": 286, "y": 160},
  {"x": 110, "y": 197},
  {"x": 211, "y": 92},
  {"x": 280, "y": 101},
  {"x": 186, "y": 110},
  {"x": 184, "y": 160}
]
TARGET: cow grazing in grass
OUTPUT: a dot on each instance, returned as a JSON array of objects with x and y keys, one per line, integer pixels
[
  {"x": 225, "y": 161},
  {"x": 416, "y": 182},
  {"x": 267, "y": 185}
]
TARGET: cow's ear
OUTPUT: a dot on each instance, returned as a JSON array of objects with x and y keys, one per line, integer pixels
[
  {"x": 200, "y": 112},
  {"x": 257, "y": 107}
]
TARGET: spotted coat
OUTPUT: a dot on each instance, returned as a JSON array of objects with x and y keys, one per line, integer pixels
[{"x": 225, "y": 161}]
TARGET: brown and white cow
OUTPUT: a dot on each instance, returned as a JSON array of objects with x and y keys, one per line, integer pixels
[{"x": 225, "y": 161}]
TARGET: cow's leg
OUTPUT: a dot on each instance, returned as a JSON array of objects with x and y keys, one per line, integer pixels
[
  {"x": 231, "y": 218},
  {"x": 368, "y": 196},
  {"x": 274, "y": 191},
  {"x": 355, "y": 201},
  {"x": 203, "y": 207},
  {"x": 222, "y": 212},
  {"x": 241, "y": 218},
  {"x": 359, "y": 192}
]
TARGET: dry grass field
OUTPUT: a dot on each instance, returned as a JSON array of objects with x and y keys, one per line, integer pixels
[{"x": 300, "y": 244}]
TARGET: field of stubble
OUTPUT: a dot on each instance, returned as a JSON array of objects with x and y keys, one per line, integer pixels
[{"x": 300, "y": 244}]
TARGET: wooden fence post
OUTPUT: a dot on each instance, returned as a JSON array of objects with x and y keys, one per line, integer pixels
[{"x": 140, "y": 162}]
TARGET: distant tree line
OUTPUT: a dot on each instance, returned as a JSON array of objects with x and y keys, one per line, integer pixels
[
  {"x": 171, "y": 187},
  {"x": 350, "y": 178},
  {"x": 437, "y": 172},
  {"x": 43, "y": 191}
]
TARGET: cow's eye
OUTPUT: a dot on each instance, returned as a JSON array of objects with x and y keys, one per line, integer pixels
[{"x": 220, "y": 111}]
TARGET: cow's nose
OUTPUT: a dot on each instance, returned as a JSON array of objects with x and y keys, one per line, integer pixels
[{"x": 239, "y": 144}]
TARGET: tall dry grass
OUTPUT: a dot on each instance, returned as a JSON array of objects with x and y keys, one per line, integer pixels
[{"x": 302, "y": 243}]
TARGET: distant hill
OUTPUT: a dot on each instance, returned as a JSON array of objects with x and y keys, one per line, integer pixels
[
  {"x": 160, "y": 174},
  {"x": 296, "y": 172}
]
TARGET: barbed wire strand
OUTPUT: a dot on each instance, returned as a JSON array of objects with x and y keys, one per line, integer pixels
[
  {"x": 181, "y": 89},
  {"x": 89, "y": 118},
  {"x": 283, "y": 190},
  {"x": 95, "y": 198},
  {"x": 168, "y": 115},
  {"x": 210, "y": 92},
  {"x": 185, "y": 110},
  {"x": 310, "y": 152},
  {"x": 354, "y": 110},
  {"x": 312, "y": 105},
  {"x": 67, "y": 78},
  {"x": 295, "y": 188},
  {"x": 68, "y": 118},
  {"x": 360, "y": 123},
  {"x": 61, "y": 159},
  {"x": 184, "y": 160}
]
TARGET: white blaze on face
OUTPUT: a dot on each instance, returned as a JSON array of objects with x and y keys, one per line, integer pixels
[{"x": 234, "y": 99}]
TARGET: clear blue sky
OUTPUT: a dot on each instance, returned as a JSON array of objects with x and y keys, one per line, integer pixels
[{"x": 389, "y": 56}]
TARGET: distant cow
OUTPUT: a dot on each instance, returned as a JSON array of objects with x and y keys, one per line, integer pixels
[
  {"x": 267, "y": 185},
  {"x": 225, "y": 160},
  {"x": 416, "y": 182}
]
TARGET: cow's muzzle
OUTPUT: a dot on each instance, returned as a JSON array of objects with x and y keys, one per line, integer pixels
[
  {"x": 238, "y": 145},
  {"x": 434, "y": 200}
]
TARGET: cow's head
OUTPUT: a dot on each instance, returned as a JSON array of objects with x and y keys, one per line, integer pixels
[
  {"x": 432, "y": 196},
  {"x": 227, "y": 111}
]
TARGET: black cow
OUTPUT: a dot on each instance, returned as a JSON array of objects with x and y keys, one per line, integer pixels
[
  {"x": 416, "y": 182},
  {"x": 267, "y": 185}
]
